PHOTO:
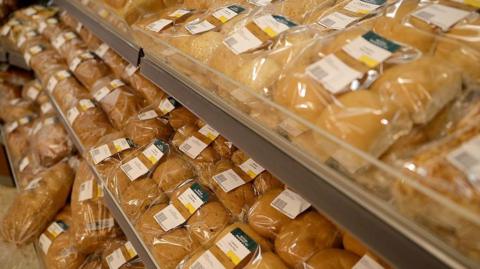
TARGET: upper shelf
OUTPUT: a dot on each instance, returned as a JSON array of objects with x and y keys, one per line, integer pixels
[{"x": 373, "y": 220}]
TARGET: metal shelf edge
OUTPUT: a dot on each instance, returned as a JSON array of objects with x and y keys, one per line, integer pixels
[
  {"x": 122, "y": 220},
  {"x": 9, "y": 157}
]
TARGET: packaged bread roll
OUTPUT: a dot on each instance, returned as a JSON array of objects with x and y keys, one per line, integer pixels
[
  {"x": 92, "y": 261},
  {"x": 237, "y": 200},
  {"x": 68, "y": 43},
  {"x": 50, "y": 28},
  {"x": 88, "y": 69},
  {"x": 207, "y": 222},
  {"x": 36, "y": 206},
  {"x": 116, "y": 100},
  {"x": 18, "y": 137},
  {"x": 353, "y": 245},
  {"x": 45, "y": 62},
  {"x": 301, "y": 238},
  {"x": 141, "y": 85},
  {"x": 15, "y": 76},
  {"x": 139, "y": 196},
  {"x": 27, "y": 38},
  {"x": 89, "y": 122},
  {"x": 109, "y": 56},
  {"x": 266, "y": 260},
  {"x": 225, "y": 250},
  {"x": 147, "y": 226},
  {"x": 9, "y": 91},
  {"x": 27, "y": 167},
  {"x": 51, "y": 143},
  {"x": 265, "y": 219},
  {"x": 66, "y": 90},
  {"x": 92, "y": 223},
  {"x": 31, "y": 90},
  {"x": 180, "y": 117},
  {"x": 14, "y": 109},
  {"x": 172, "y": 172},
  {"x": 172, "y": 247},
  {"x": 332, "y": 258},
  {"x": 58, "y": 244},
  {"x": 121, "y": 254},
  {"x": 146, "y": 126}
]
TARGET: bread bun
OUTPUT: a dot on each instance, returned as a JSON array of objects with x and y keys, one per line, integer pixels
[
  {"x": 264, "y": 219},
  {"x": 299, "y": 239},
  {"x": 266, "y": 182},
  {"x": 172, "y": 171},
  {"x": 332, "y": 259},
  {"x": 207, "y": 222},
  {"x": 223, "y": 147},
  {"x": 62, "y": 253},
  {"x": 171, "y": 248},
  {"x": 266, "y": 260},
  {"x": 142, "y": 132},
  {"x": 180, "y": 117},
  {"x": 139, "y": 195},
  {"x": 147, "y": 226},
  {"x": 51, "y": 143}
]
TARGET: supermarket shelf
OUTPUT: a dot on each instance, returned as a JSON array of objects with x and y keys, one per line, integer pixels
[
  {"x": 109, "y": 35},
  {"x": 13, "y": 57},
  {"x": 402, "y": 243},
  {"x": 122, "y": 220},
  {"x": 9, "y": 157}
]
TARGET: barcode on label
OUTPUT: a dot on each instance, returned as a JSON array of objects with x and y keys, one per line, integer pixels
[
  {"x": 228, "y": 180},
  {"x": 134, "y": 169},
  {"x": 327, "y": 22},
  {"x": 169, "y": 218},
  {"x": 279, "y": 203},
  {"x": 290, "y": 204},
  {"x": 467, "y": 159},
  {"x": 425, "y": 15},
  {"x": 231, "y": 41},
  {"x": 161, "y": 217},
  {"x": 192, "y": 147},
  {"x": 319, "y": 72}
]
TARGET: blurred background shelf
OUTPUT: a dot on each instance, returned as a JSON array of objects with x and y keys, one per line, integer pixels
[{"x": 400, "y": 241}]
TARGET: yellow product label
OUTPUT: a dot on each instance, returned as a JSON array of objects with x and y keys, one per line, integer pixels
[
  {"x": 233, "y": 257},
  {"x": 152, "y": 159},
  {"x": 363, "y": 11},
  {"x": 190, "y": 208},
  {"x": 251, "y": 174},
  {"x": 368, "y": 61},
  {"x": 223, "y": 19},
  {"x": 270, "y": 32},
  {"x": 474, "y": 3}
]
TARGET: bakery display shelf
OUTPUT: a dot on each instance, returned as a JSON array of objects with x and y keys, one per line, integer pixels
[
  {"x": 10, "y": 161},
  {"x": 13, "y": 57},
  {"x": 376, "y": 222},
  {"x": 112, "y": 204},
  {"x": 13, "y": 172},
  {"x": 114, "y": 38}
]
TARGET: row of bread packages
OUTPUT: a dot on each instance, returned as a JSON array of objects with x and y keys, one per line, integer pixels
[
  {"x": 83, "y": 231},
  {"x": 144, "y": 178},
  {"x": 385, "y": 77}
]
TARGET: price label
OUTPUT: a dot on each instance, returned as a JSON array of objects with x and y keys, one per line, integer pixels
[
  {"x": 228, "y": 180},
  {"x": 169, "y": 218},
  {"x": 290, "y": 204}
]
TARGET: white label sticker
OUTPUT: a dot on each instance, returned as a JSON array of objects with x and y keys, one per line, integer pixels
[
  {"x": 72, "y": 115},
  {"x": 242, "y": 40},
  {"x": 192, "y": 147},
  {"x": 134, "y": 169},
  {"x": 292, "y": 127},
  {"x": 52, "y": 83},
  {"x": 100, "y": 153},
  {"x": 209, "y": 132},
  {"x": 33, "y": 184},
  {"x": 467, "y": 159},
  {"x": 130, "y": 250},
  {"x": 46, "y": 107},
  {"x": 99, "y": 95},
  {"x": 55, "y": 229},
  {"x": 270, "y": 25},
  {"x": 366, "y": 52},
  {"x": 157, "y": 26},
  {"x": 153, "y": 154},
  {"x": 441, "y": 15},
  {"x": 101, "y": 50},
  {"x": 337, "y": 21},
  {"x": 116, "y": 259},
  {"x": 169, "y": 218},
  {"x": 11, "y": 127},
  {"x": 333, "y": 74},
  {"x": 33, "y": 93},
  {"x": 147, "y": 115},
  {"x": 30, "y": 11},
  {"x": 179, "y": 13},
  {"x": 5, "y": 30},
  {"x": 23, "y": 164},
  {"x": 200, "y": 27},
  {"x": 207, "y": 261},
  {"x": 361, "y": 7},
  {"x": 260, "y": 3},
  {"x": 166, "y": 106},
  {"x": 121, "y": 144},
  {"x": 224, "y": 14},
  {"x": 290, "y": 204},
  {"x": 190, "y": 200},
  {"x": 366, "y": 262},
  {"x": 85, "y": 104},
  {"x": 252, "y": 168},
  {"x": 86, "y": 191},
  {"x": 101, "y": 224},
  {"x": 37, "y": 128},
  {"x": 75, "y": 63},
  {"x": 116, "y": 83},
  {"x": 58, "y": 41},
  {"x": 79, "y": 27},
  {"x": 44, "y": 243},
  {"x": 131, "y": 69},
  {"x": 228, "y": 180},
  {"x": 15, "y": 101},
  {"x": 49, "y": 121},
  {"x": 233, "y": 248}
]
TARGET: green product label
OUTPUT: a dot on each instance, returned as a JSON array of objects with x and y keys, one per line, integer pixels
[
  {"x": 381, "y": 42},
  {"x": 248, "y": 242},
  {"x": 200, "y": 192},
  {"x": 375, "y": 2},
  {"x": 161, "y": 145},
  {"x": 236, "y": 9},
  {"x": 284, "y": 20}
]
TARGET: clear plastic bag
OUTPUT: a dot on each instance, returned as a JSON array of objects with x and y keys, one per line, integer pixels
[
  {"x": 36, "y": 205},
  {"x": 146, "y": 126},
  {"x": 27, "y": 167},
  {"x": 9, "y": 91},
  {"x": 332, "y": 258},
  {"x": 68, "y": 44},
  {"x": 51, "y": 143},
  {"x": 120, "y": 254},
  {"x": 301, "y": 238},
  {"x": 172, "y": 172},
  {"x": 58, "y": 243},
  {"x": 92, "y": 223},
  {"x": 66, "y": 90},
  {"x": 17, "y": 137},
  {"x": 31, "y": 90},
  {"x": 14, "y": 109},
  {"x": 116, "y": 100},
  {"x": 139, "y": 196},
  {"x": 88, "y": 68},
  {"x": 142, "y": 86},
  {"x": 179, "y": 117}
]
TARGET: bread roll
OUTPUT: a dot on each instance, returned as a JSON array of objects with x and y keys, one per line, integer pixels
[
  {"x": 223, "y": 147},
  {"x": 68, "y": 92},
  {"x": 237, "y": 201},
  {"x": 180, "y": 117},
  {"x": 423, "y": 91},
  {"x": 143, "y": 132},
  {"x": 264, "y": 219},
  {"x": 18, "y": 141},
  {"x": 9, "y": 91},
  {"x": 12, "y": 110},
  {"x": 171, "y": 248},
  {"x": 207, "y": 222},
  {"x": 173, "y": 171},
  {"x": 89, "y": 71},
  {"x": 33, "y": 209},
  {"x": 267, "y": 260},
  {"x": 144, "y": 87},
  {"x": 301, "y": 238},
  {"x": 332, "y": 259},
  {"x": 147, "y": 226},
  {"x": 266, "y": 182},
  {"x": 51, "y": 143},
  {"x": 139, "y": 195}
]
